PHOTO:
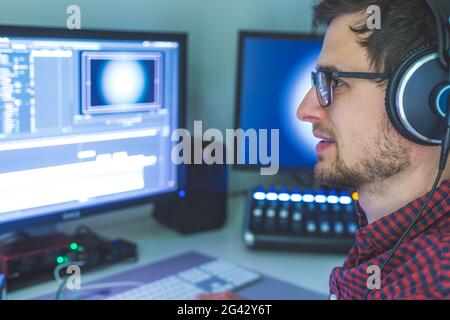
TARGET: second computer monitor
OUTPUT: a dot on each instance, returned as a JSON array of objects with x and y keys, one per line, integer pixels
[{"x": 274, "y": 75}]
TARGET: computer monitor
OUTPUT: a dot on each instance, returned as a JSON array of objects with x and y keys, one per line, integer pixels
[
  {"x": 274, "y": 75},
  {"x": 85, "y": 121}
]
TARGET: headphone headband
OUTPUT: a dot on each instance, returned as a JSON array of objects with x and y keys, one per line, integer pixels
[{"x": 441, "y": 12}]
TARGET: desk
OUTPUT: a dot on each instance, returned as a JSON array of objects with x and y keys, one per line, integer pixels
[{"x": 156, "y": 242}]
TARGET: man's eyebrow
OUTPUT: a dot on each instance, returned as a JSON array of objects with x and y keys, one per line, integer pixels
[{"x": 327, "y": 68}]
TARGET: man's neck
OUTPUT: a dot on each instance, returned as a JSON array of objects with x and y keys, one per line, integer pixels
[{"x": 382, "y": 198}]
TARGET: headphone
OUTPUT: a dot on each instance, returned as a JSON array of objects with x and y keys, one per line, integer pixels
[{"x": 418, "y": 90}]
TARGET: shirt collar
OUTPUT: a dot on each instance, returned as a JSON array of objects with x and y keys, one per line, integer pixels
[{"x": 381, "y": 235}]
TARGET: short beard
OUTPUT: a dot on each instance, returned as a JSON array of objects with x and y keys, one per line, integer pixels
[{"x": 387, "y": 157}]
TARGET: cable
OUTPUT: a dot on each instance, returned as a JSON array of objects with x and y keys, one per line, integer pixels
[
  {"x": 411, "y": 225},
  {"x": 12, "y": 237},
  {"x": 56, "y": 275},
  {"x": 445, "y": 148},
  {"x": 105, "y": 285},
  {"x": 61, "y": 288}
]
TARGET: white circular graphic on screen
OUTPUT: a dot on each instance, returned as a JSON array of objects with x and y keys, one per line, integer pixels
[
  {"x": 300, "y": 85},
  {"x": 123, "y": 82}
]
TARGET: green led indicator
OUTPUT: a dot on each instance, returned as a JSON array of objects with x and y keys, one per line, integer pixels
[
  {"x": 74, "y": 246},
  {"x": 60, "y": 260}
]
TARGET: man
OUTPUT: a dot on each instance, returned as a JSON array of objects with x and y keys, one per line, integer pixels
[
  {"x": 361, "y": 149},
  {"x": 391, "y": 173}
]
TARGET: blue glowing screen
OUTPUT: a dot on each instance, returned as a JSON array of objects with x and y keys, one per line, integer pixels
[{"x": 275, "y": 76}]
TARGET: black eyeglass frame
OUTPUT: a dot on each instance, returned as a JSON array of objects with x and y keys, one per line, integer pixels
[{"x": 330, "y": 75}]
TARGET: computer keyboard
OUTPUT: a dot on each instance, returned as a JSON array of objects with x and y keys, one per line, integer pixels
[{"x": 215, "y": 276}]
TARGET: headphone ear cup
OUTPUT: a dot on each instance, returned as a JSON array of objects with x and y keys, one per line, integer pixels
[
  {"x": 408, "y": 96},
  {"x": 391, "y": 110},
  {"x": 439, "y": 98}
]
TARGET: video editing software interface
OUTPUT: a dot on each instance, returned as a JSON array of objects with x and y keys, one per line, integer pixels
[
  {"x": 274, "y": 77},
  {"x": 85, "y": 122}
]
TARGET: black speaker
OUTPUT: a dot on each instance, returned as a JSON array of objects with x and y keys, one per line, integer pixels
[{"x": 202, "y": 205}]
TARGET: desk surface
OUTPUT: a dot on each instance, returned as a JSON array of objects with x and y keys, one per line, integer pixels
[{"x": 156, "y": 242}]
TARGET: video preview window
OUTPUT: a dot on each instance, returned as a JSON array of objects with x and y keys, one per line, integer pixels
[{"x": 120, "y": 81}]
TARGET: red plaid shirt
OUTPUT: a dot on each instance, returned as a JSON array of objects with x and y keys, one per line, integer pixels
[{"x": 420, "y": 268}]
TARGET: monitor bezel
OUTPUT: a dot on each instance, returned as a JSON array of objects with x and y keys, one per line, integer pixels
[
  {"x": 243, "y": 35},
  {"x": 105, "y": 34}
]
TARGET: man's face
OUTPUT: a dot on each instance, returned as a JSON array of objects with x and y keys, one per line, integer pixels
[{"x": 366, "y": 147}]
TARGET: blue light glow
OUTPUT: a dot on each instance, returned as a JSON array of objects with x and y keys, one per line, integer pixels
[
  {"x": 339, "y": 227},
  {"x": 308, "y": 198},
  {"x": 311, "y": 226},
  {"x": 320, "y": 198},
  {"x": 332, "y": 199},
  {"x": 325, "y": 227},
  {"x": 296, "y": 197},
  {"x": 352, "y": 228},
  {"x": 271, "y": 196},
  {"x": 182, "y": 193},
  {"x": 345, "y": 200},
  {"x": 261, "y": 196},
  {"x": 284, "y": 197},
  {"x": 297, "y": 88}
]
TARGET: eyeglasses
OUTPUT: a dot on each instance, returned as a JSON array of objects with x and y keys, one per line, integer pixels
[{"x": 323, "y": 81}]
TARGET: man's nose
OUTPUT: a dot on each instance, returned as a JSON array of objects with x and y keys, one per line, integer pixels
[{"x": 310, "y": 109}]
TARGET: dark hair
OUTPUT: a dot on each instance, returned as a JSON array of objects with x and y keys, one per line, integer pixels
[{"x": 405, "y": 25}]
